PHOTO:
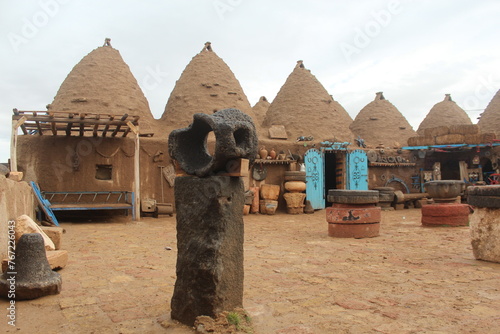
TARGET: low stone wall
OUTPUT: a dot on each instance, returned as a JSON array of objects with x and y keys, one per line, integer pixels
[{"x": 16, "y": 198}]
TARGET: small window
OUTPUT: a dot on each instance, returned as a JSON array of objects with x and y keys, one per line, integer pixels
[{"x": 103, "y": 172}]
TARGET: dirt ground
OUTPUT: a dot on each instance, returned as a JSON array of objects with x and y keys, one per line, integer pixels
[{"x": 410, "y": 279}]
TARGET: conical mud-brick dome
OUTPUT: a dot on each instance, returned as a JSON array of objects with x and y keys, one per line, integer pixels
[
  {"x": 305, "y": 108},
  {"x": 102, "y": 83},
  {"x": 206, "y": 85},
  {"x": 260, "y": 109},
  {"x": 444, "y": 113},
  {"x": 490, "y": 118},
  {"x": 380, "y": 122}
]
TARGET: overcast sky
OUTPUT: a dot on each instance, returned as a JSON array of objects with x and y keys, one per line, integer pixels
[{"x": 413, "y": 51}]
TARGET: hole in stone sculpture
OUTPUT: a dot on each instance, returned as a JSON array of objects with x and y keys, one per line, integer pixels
[
  {"x": 241, "y": 138},
  {"x": 104, "y": 172},
  {"x": 194, "y": 141},
  {"x": 210, "y": 144}
]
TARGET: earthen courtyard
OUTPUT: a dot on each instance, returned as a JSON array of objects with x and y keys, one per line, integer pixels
[{"x": 410, "y": 279}]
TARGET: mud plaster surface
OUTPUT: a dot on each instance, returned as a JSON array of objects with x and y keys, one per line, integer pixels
[{"x": 410, "y": 279}]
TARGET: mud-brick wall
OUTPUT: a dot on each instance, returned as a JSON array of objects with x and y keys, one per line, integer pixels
[
  {"x": 379, "y": 176},
  {"x": 16, "y": 199},
  {"x": 71, "y": 164},
  {"x": 153, "y": 155}
]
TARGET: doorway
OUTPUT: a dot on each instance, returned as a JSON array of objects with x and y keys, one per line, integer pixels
[{"x": 332, "y": 173}]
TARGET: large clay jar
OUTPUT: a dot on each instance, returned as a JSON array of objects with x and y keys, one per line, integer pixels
[
  {"x": 263, "y": 153},
  {"x": 295, "y": 186},
  {"x": 444, "y": 188},
  {"x": 272, "y": 154}
]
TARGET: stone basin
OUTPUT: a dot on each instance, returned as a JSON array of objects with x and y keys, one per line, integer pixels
[{"x": 444, "y": 188}]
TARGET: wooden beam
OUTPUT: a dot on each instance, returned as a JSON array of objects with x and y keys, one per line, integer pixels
[
  {"x": 40, "y": 132},
  {"x": 13, "y": 150},
  {"x": 137, "y": 176},
  {"x": 69, "y": 126},
  {"x": 24, "y": 129},
  {"x": 133, "y": 128},
  {"x": 89, "y": 121},
  {"x": 82, "y": 124},
  {"x": 13, "y": 143},
  {"x": 20, "y": 122},
  {"x": 126, "y": 132},
  {"x": 111, "y": 118},
  {"x": 68, "y": 129},
  {"x": 96, "y": 126},
  {"x": 53, "y": 128},
  {"x": 124, "y": 117}
]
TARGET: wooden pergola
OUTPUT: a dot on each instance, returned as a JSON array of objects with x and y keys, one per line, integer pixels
[
  {"x": 69, "y": 123},
  {"x": 61, "y": 123}
]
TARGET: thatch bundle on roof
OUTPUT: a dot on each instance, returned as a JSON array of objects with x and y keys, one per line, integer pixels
[
  {"x": 444, "y": 113},
  {"x": 380, "y": 122},
  {"x": 305, "y": 108}
]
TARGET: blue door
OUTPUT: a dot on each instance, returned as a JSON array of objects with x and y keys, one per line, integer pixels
[
  {"x": 315, "y": 178},
  {"x": 357, "y": 170}
]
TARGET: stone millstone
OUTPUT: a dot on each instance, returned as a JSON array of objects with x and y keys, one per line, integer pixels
[
  {"x": 210, "y": 246},
  {"x": 32, "y": 274}
]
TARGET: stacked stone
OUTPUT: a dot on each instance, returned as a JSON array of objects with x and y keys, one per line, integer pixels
[
  {"x": 484, "y": 223},
  {"x": 295, "y": 185},
  {"x": 353, "y": 214},
  {"x": 445, "y": 211}
]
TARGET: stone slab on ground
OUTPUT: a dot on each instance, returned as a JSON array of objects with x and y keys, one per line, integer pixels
[
  {"x": 55, "y": 234},
  {"x": 24, "y": 224},
  {"x": 485, "y": 234},
  {"x": 58, "y": 259}
]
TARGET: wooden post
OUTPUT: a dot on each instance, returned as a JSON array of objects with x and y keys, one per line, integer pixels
[
  {"x": 137, "y": 176},
  {"x": 13, "y": 143}
]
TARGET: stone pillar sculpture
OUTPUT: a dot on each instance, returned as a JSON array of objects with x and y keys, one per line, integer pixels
[{"x": 209, "y": 208}]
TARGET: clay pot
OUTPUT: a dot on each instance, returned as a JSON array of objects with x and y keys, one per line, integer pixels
[
  {"x": 263, "y": 153},
  {"x": 272, "y": 154},
  {"x": 295, "y": 186},
  {"x": 444, "y": 188},
  {"x": 246, "y": 209},
  {"x": 269, "y": 191}
]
